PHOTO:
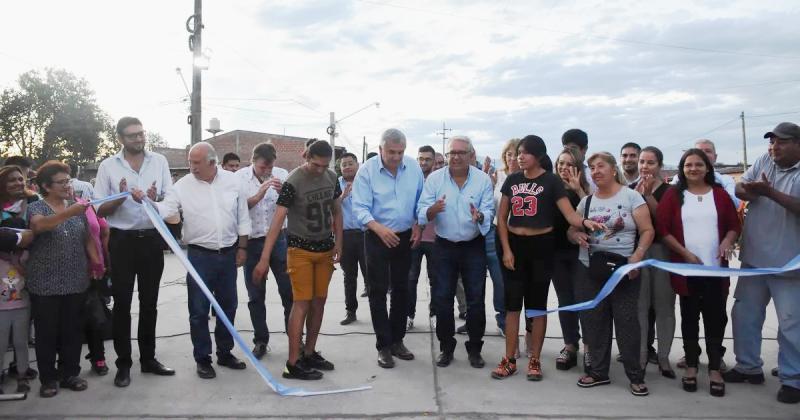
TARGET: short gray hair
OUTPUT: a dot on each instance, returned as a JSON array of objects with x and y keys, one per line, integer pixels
[
  {"x": 211, "y": 153},
  {"x": 706, "y": 141},
  {"x": 392, "y": 135},
  {"x": 463, "y": 139}
]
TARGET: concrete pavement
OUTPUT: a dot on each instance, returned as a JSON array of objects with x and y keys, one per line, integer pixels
[{"x": 414, "y": 389}]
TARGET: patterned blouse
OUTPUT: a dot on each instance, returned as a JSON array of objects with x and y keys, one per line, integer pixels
[{"x": 58, "y": 264}]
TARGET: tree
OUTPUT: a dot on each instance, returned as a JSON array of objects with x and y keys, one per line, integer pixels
[
  {"x": 52, "y": 115},
  {"x": 155, "y": 140}
]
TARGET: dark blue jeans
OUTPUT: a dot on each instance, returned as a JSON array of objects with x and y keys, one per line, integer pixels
[
  {"x": 469, "y": 260},
  {"x": 256, "y": 294},
  {"x": 424, "y": 249},
  {"x": 219, "y": 273},
  {"x": 493, "y": 263}
]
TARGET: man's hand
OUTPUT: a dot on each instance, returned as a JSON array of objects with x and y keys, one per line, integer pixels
[
  {"x": 477, "y": 216},
  {"x": 487, "y": 164},
  {"x": 276, "y": 184},
  {"x": 337, "y": 252},
  {"x": 759, "y": 188},
  {"x": 123, "y": 185},
  {"x": 388, "y": 237},
  {"x": 260, "y": 271},
  {"x": 437, "y": 207},
  {"x": 138, "y": 195},
  {"x": 152, "y": 192},
  {"x": 241, "y": 256},
  {"x": 348, "y": 188},
  {"x": 416, "y": 235}
]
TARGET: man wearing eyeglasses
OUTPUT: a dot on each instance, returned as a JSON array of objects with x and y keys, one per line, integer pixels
[
  {"x": 136, "y": 248},
  {"x": 458, "y": 200}
]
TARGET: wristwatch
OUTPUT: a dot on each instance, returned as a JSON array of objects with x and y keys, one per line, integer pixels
[{"x": 480, "y": 218}]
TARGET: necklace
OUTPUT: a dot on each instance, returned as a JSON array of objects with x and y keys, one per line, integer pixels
[{"x": 700, "y": 198}]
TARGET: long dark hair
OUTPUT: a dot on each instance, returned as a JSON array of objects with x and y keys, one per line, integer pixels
[
  {"x": 535, "y": 146},
  {"x": 709, "y": 178}
]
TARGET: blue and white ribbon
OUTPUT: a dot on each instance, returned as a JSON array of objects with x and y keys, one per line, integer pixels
[
  {"x": 111, "y": 197},
  {"x": 683, "y": 269},
  {"x": 276, "y": 386}
]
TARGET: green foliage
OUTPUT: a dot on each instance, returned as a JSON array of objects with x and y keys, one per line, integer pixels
[{"x": 53, "y": 115}]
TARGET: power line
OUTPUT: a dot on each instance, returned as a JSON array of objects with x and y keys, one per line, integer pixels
[{"x": 583, "y": 34}]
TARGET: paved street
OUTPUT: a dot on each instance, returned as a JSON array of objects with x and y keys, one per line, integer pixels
[{"x": 415, "y": 389}]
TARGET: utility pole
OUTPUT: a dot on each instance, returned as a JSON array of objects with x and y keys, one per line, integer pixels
[
  {"x": 364, "y": 150},
  {"x": 444, "y": 136},
  {"x": 195, "y": 46},
  {"x": 332, "y": 132},
  {"x": 744, "y": 145}
]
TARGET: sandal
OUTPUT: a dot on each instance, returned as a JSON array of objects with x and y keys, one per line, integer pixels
[
  {"x": 642, "y": 390},
  {"x": 588, "y": 381},
  {"x": 49, "y": 389},
  {"x": 717, "y": 389},
  {"x": 689, "y": 383},
  {"x": 566, "y": 359},
  {"x": 534, "y": 369},
  {"x": 506, "y": 368}
]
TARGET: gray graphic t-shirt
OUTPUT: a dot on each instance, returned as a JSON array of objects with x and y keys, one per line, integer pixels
[
  {"x": 310, "y": 199},
  {"x": 617, "y": 214}
]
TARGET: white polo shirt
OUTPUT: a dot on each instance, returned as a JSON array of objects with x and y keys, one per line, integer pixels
[{"x": 262, "y": 213}]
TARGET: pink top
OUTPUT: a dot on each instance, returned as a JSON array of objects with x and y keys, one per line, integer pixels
[{"x": 95, "y": 225}]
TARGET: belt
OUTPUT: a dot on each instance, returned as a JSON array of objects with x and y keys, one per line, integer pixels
[
  {"x": 136, "y": 233},
  {"x": 468, "y": 241},
  {"x": 260, "y": 239},
  {"x": 352, "y": 230},
  {"x": 213, "y": 251}
]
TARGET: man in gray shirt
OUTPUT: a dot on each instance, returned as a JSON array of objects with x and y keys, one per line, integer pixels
[{"x": 770, "y": 239}]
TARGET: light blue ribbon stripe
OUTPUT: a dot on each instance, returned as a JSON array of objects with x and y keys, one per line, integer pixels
[
  {"x": 683, "y": 269},
  {"x": 271, "y": 382},
  {"x": 111, "y": 197}
]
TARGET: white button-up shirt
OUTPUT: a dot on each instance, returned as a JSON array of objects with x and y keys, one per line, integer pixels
[
  {"x": 130, "y": 215},
  {"x": 261, "y": 214},
  {"x": 214, "y": 214}
]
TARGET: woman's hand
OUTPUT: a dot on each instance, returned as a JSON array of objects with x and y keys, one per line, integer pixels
[
  {"x": 726, "y": 249},
  {"x": 573, "y": 181},
  {"x": 633, "y": 259},
  {"x": 691, "y": 258},
  {"x": 508, "y": 260}
]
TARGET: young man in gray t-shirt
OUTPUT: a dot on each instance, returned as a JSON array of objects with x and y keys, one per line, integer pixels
[{"x": 314, "y": 235}]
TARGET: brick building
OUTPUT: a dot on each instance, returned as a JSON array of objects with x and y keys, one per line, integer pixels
[{"x": 242, "y": 142}]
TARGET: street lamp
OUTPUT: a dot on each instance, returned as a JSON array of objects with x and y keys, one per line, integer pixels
[{"x": 332, "y": 128}]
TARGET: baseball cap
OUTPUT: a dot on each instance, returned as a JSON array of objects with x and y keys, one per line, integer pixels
[{"x": 784, "y": 130}]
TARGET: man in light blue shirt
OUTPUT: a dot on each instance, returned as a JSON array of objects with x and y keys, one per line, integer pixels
[
  {"x": 458, "y": 199},
  {"x": 353, "y": 239},
  {"x": 385, "y": 194}
]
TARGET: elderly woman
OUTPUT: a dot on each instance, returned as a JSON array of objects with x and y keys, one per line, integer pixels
[
  {"x": 57, "y": 278},
  {"x": 624, "y": 213},
  {"x": 697, "y": 221}
]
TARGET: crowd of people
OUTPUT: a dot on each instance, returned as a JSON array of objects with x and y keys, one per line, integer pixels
[{"x": 526, "y": 223}]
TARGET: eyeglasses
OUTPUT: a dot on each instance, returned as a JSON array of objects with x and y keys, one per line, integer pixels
[
  {"x": 456, "y": 153},
  {"x": 133, "y": 136},
  {"x": 62, "y": 182}
]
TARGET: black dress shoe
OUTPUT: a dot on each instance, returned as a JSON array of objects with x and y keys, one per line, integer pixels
[
  {"x": 349, "y": 318},
  {"x": 206, "y": 371},
  {"x": 668, "y": 373},
  {"x": 476, "y": 361},
  {"x": 365, "y": 293},
  {"x": 123, "y": 377},
  {"x": 789, "y": 395},
  {"x": 155, "y": 367},
  {"x": 400, "y": 351},
  {"x": 734, "y": 376},
  {"x": 385, "y": 359},
  {"x": 444, "y": 359},
  {"x": 231, "y": 361},
  {"x": 462, "y": 329}
]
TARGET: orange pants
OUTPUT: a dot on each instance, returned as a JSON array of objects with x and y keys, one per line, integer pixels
[{"x": 310, "y": 273}]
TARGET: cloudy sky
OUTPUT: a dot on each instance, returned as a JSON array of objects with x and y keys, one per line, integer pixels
[{"x": 658, "y": 73}]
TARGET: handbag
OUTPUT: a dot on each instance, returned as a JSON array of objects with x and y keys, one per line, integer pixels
[
  {"x": 602, "y": 263},
  {"x": 98, "y": 315}
]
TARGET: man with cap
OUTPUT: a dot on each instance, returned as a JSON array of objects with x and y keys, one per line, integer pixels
[{"x": 770, "y": 239}]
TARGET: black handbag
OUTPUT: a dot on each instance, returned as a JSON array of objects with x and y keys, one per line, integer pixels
[{"x": 602, "y": 263}]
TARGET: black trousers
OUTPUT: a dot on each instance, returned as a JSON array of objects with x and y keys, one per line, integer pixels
[
  {"x": 135, "y": 258},
  {"x": 706, "y": 297},
  {"x": 388, "y": 267},
  {"x": 59, "y": 324},
  {"x": 352, "y": 258}
]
